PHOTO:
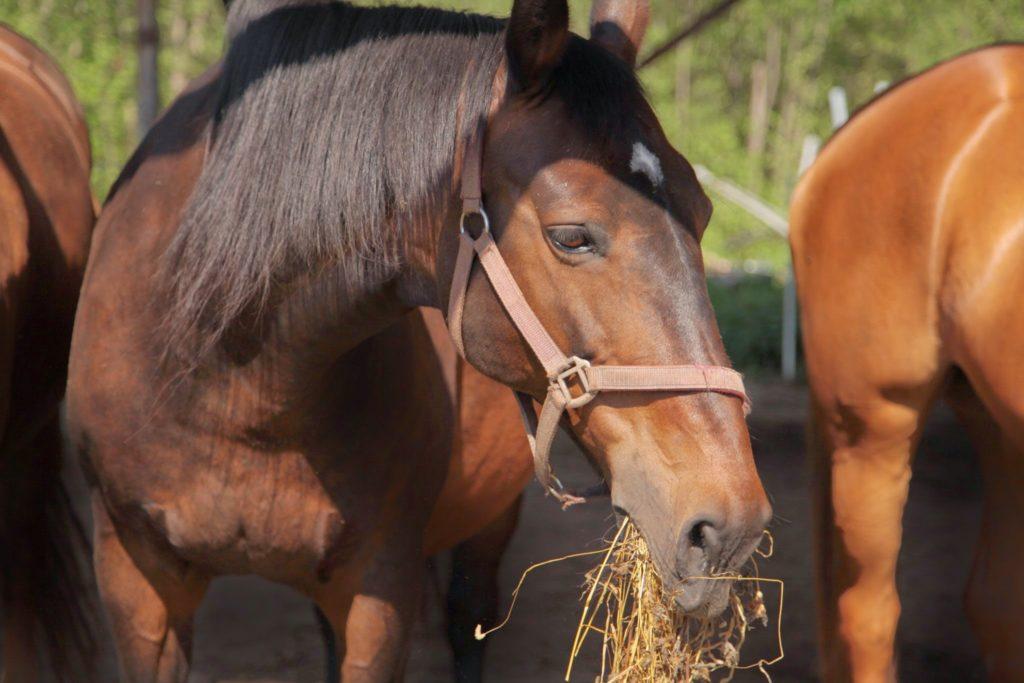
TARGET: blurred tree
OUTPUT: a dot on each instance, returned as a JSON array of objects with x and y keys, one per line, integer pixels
[{"x": 149, "y": 80}]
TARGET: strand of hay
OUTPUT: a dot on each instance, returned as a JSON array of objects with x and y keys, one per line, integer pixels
[
  {"x": 645, "y": 637},
  {"x": 480, "y": 633}
]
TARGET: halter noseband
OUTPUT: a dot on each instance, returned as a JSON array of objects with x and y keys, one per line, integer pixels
[{"x": 562, "y": 371}]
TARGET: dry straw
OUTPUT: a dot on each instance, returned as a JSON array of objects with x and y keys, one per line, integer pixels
[{"x": 644, "y": 635}]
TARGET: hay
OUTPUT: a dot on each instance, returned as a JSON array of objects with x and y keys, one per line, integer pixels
[{"x": 644, "y": 636}]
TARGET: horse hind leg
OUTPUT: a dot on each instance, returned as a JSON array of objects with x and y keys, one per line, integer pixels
[
  {"x": 150, "y": 600},
  {"x": 473, "y": 592},
  {"x": 994, "y": 598},
  {"x": 861, "y": 466}
]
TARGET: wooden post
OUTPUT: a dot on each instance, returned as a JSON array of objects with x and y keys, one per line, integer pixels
[{"x": 149, "y": 84}]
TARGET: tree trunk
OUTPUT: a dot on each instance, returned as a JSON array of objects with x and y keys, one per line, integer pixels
[{"x": 149, "y": 86}]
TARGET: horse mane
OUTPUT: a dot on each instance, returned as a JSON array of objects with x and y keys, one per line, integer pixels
[{"x": 334, "y": 134}]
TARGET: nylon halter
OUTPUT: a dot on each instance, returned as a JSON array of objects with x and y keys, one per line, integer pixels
[{"x": 564, "y": 373}]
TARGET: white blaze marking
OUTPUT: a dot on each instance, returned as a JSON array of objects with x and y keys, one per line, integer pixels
[{"x": 645, "y": 162}]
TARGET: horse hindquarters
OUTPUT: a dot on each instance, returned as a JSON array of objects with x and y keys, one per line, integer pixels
[{"x": 46, "y": 217}]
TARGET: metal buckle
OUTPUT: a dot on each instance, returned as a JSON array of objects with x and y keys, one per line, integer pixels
[
  {"x": 576, "y": 367},
  {"x": 479, "y": 212}
]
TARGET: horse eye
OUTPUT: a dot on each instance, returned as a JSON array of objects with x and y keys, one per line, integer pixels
[{"x": 572, "y": 239}]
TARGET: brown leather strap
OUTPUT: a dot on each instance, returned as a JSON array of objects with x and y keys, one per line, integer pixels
[
  {"x": 472, "y": 187},
  {"x": 457, "y": 295},
  {"x": 551, "y": 358},
  {"x": 573, "y": 382}
]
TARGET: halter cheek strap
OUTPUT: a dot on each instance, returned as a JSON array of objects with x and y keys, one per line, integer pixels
[{"x": 572, "y": 381}]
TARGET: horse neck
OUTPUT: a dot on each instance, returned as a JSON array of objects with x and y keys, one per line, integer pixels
[{"x": 313, "y": 330}]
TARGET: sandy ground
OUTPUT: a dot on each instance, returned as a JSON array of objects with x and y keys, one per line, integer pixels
[{"x": 251, "y": 630}]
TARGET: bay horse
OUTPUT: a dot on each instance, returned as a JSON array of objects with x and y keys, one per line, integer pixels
[
  {"x": 297, "y": 201},
  {"x": 908, "y": 246},
  {"x": 46, "y": 218}
]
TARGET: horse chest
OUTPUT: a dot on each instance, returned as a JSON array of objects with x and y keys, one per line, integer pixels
[{"x": 259, "y": 513}]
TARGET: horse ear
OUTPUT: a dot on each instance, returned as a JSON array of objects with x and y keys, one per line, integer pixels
[
  {"x": 619, "y": 26},
  {"x": 538, "y": 32}
]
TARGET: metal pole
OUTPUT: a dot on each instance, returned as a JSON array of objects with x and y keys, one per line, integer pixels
[
  {"x": 790, "y": 328},
  {"x": 837, "y": 106},
  {"x": 149, "y": 86}
]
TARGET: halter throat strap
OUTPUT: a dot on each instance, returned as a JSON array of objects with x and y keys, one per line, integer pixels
[{"x": 572, "y": 381}]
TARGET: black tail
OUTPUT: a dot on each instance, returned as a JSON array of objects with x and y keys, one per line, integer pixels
[
  {"x": 332, "y": 667},
  {"x": 42, "y": 571}
]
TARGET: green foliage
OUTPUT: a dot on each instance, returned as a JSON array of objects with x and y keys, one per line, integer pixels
[
  {"x": 94, "y": 41},
  {"x": 748, "y": 309},
  {"x": 704, "y": 92}
]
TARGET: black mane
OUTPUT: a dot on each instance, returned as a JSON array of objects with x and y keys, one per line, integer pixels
[{"x": 335, "y": 131}]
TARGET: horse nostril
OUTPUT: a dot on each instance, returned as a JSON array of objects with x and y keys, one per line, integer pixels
[
  {"x": 704, "y": 535},
  {"x": 699, "y": 546},
  {"x": 696, "y": 534}
]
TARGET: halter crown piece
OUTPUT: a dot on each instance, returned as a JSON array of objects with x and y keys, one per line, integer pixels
[{"x": 563, "y": 372}]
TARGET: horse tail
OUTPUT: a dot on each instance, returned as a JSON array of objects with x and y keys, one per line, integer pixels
[
  {"x": 42, "y": 569},
  {"x": 332, "y": 665},
  {"x": 819, "y": 461}
]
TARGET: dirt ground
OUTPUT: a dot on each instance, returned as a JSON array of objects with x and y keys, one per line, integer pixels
[{"x": 251, "y": 630}]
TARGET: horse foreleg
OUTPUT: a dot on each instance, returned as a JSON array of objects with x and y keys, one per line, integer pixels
[
  {"x": 374, "y": 624},
  {"x": 861, "y": 459},
  {"x": 473, "y": 592},
  {"x": 150, "y": 601}
]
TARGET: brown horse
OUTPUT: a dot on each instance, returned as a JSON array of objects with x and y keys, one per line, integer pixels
[
  {"x": 908, "y": 245},
  {"x": 299, "y": 200},
  {"x": 46, "y": 218}
]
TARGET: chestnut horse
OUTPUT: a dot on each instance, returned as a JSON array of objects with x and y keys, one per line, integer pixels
[
  {"x": 908, "y": 245},
  {"x": 46, "y": 217},
  {"x": 299, "y": 200}
]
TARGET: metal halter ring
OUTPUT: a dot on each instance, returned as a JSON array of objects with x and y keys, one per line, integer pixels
[
  {"x": 479, "y": 212},
  {"x": 577, "y": 367}
]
